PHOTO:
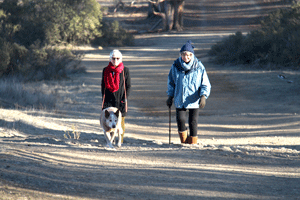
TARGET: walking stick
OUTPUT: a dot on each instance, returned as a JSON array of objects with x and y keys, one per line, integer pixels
[{"x": 170, "y": 125}]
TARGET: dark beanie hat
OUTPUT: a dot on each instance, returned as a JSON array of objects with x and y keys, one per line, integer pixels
[{"x": 187, "y": 47}]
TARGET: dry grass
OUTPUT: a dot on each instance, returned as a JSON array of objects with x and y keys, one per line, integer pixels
[{"x": 15, "y": 94}]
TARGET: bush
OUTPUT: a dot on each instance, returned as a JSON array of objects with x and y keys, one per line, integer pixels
[
  {"x": 50, "y": 63},
  {"x": 37, "y": 63},
  {"x": 76, "y": 22},
  {"x": 228, "y": 49},
  {"x": 277, "y": 41},
  {"x": 4, "y": 55},
  {"x": 53, "y": 21},
  {"x": 114, "y": 35},
  {"x": 50, "y": 23},
  {"x": 29, "y": 34}
]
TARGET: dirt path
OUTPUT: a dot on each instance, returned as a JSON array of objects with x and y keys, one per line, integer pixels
[{"x": 249, "y": 146}]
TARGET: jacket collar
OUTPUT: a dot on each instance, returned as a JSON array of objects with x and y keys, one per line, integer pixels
[{"x": 186, "y": 67}]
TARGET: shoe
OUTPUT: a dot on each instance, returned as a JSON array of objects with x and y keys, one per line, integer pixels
[
  {"x": 192, "y": 140},
  {"x": 183, "y": 136}
]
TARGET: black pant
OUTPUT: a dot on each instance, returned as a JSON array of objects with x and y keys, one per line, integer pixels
[{"x": 193, "y": 120}]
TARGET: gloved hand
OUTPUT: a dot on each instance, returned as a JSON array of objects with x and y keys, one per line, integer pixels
[
  {"x": 170, "y": 102},
  {"x": 202, "y": 101}
]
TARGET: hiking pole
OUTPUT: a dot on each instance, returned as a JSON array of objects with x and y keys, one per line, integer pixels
[{"x": 170, "y": 125}]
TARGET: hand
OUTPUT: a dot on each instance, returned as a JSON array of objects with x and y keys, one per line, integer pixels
[
  {"x": 169, "y": 101},
  {"x": 202, "y": 101}
]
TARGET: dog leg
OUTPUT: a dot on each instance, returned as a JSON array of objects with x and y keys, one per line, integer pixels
[
  {"x": 120, "y": 137},
  {"x": 113, "y": 136},
  {"x": 108, "y": 140}
]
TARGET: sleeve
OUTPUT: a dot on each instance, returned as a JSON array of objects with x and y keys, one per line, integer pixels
[
  {"x": 102, "y": 83},
  {"x": 205, "y": 85},
  {"x": 128, "y": 82},
  {"x": 171, "y": 83}
]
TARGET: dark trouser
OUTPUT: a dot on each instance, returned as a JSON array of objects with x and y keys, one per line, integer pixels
[{"x": 193, "y": 120}]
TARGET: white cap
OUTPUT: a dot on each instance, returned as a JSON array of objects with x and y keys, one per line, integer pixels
[{"x": 115, "y": 53}]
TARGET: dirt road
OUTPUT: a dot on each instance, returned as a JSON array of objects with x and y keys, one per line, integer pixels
[{"x": 249, "y": 146}]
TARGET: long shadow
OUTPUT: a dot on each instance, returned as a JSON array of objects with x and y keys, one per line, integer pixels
[
  {"x": 35, "y": 135},
  {"x": 192, "y": 179},
  {"x": 212, "y": 14},
  {"x": 67, "y": 174}
]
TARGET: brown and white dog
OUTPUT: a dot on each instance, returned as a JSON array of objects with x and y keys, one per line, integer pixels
[{"x": 110, "y": 121}]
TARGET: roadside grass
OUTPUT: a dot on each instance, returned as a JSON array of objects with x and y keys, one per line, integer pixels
[{"x": 17, "y": 94}]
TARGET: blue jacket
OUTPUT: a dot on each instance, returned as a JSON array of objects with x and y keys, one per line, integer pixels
[{"x": 187, "y": 83}]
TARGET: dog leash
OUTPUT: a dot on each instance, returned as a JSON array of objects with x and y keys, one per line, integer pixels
[
  {"x": 125, "y": 94},
  {"x": 103, "y": 98}
]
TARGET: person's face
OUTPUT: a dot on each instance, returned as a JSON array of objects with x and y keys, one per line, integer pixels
[
  {"x": 186, "y": 56},
  {"x": 115, "y": 60}
]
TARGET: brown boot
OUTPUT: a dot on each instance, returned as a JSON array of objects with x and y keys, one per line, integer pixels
[
  {"x": 192, "y": 140},
  {"x": 183, "y": 136}
]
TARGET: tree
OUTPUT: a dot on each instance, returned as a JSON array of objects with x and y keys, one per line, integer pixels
[{"x": 171, "y": 12}]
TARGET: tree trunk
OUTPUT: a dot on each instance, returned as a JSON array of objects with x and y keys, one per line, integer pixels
[
  {"x": 178, "y": 14},
  {"x": 171, "y": 12}
]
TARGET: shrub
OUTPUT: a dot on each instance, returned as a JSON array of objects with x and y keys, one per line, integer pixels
[
  {"x": 50, "y": 63},
  {"x": 277, "y": 41},
  {"x": 75, "y": 22},
  {"x": 37, "y": 63},
  {"x": 228, "y": 49},
  {"x": 49, "y": 23},
  {"x": 4, "y": 55},
  {"x": 54, "y": 21},
  {"x": 114, "y": 35}
]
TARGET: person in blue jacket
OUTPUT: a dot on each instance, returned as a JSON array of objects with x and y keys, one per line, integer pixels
[{"x": 189, "y": 87}]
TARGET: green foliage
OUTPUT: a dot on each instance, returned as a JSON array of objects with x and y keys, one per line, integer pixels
[
  {"x": 228, "y": 49},
  {"x": 277, "y": 41},
  {"x": 114, "y": 35},
  {"x": 28, "y": 28},
  {"x": 8, "y": 28},
  {"x": 37, "y": 62},
  {"x": 72, "y": 22},
  {"x": 59, "y": 21},
  {"x": 12, "y": 57},
  {"x": 4, "y": 55},
  {"x": 48, "y": 63}
]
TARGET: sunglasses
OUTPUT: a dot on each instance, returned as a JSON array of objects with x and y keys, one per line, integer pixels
[
  {"x": 186, "y": 54},
  {"x": 115, "y": 58}
]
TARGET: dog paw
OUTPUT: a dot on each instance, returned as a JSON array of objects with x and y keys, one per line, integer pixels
[{"x": 110, "y": 148}]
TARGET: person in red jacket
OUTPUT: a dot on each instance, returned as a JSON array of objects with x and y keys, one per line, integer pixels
[{"x": 116, "y": 85}]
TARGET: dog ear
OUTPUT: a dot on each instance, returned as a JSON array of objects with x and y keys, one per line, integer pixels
[
  {"x": 107, "y": 114},
  {"x": 117, "y": 112}
]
